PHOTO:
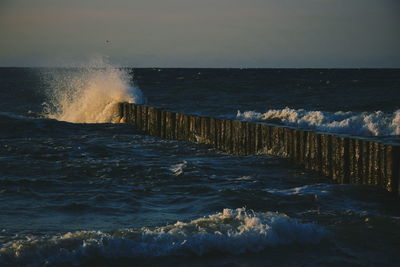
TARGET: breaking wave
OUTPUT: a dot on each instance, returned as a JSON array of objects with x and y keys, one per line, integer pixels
[
  {"x": 375, "y": 123},
  {"x": 89, "y": 94},
  {"x": 232, "y": 232}
]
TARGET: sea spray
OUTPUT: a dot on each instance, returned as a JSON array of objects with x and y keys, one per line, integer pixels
[
  {"x": 375, "y": 123},
  {"x": 88, "y": 94}
]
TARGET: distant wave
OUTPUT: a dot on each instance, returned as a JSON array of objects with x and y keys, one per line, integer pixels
[
  {"x": 232, "y": 231},
  {"x": 6, "y": 116},
  {"x": 89, "y": 94},
  {"x": 364, "y": 124}
]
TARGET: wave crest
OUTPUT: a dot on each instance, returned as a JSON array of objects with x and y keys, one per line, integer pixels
[
  {"x": 231, "y": 231},
  {"x": 375, "y": 123}
]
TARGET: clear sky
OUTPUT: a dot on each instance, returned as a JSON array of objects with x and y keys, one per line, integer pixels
[{"x": 201, "y": 33}]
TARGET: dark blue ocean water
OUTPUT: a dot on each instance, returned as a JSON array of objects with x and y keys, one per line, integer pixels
[{"x": 79, "y": 190}]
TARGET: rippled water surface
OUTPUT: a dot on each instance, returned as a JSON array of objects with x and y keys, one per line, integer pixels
[{"x": 103, "y": 193}]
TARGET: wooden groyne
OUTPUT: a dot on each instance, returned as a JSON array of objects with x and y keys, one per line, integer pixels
[{"x": 344, "y": 159}]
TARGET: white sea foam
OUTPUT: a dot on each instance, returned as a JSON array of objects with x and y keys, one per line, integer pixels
[
  {"x": 364, "y": 124},
  {"x": 178, "y": 168},
  {"x": 317, "y": 189},
  {"x": 89, "y": 94},
  {"x": 232, "y": 231}
]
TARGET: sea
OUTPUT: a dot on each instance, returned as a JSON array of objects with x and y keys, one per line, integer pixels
[{"x": 80, "y": 188}]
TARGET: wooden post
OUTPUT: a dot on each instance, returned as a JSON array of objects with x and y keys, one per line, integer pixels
[
  {"x": 170, "y": 131},
  {"x": 258, "y": 138},
  {"x": 296, "y": 146},
  {"x": 392, "y": 180},
  {"x": 163, "y": 124}
]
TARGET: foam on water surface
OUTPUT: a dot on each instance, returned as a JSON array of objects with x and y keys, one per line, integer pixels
[
  {"x": 375, "y": 123},
  {"x": 178, "y": 169},
  {"x": 233, "y": 231}
]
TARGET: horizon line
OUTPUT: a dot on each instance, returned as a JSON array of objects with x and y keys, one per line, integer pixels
[{"x": 158, "y": 67}]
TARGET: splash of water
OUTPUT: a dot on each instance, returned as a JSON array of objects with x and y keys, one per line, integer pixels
[{"x": 88, "y": 94}]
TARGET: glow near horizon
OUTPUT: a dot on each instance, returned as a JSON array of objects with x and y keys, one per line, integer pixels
[{"x": 207, "y": 33}]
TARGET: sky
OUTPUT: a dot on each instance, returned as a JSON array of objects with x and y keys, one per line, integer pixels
[{"x": 202, "y": 33}]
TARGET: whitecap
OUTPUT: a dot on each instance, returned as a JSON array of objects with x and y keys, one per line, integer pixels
[
  {"x": 178, "y": 169},
  {"x": 233, "y": 231},
  {"x": 375, "y": 123}
]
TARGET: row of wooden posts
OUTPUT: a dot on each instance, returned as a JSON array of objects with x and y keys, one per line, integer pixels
[{"x": 344, "y": 159}]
